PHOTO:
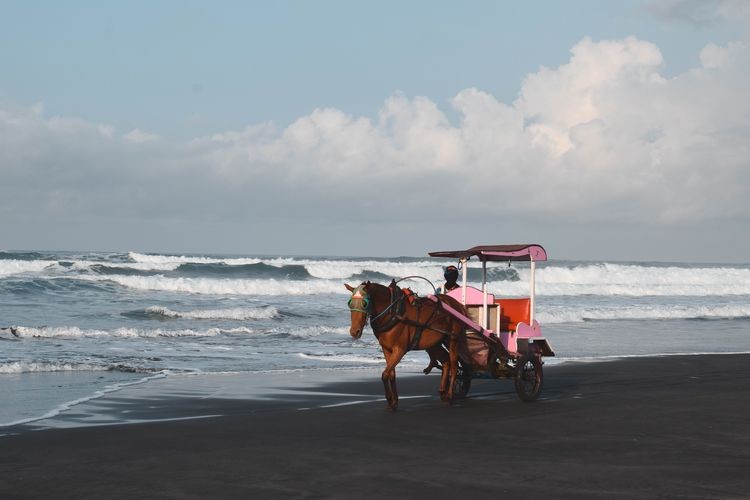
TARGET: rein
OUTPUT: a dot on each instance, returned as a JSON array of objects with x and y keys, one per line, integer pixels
[{"x": 434, "y": 290}]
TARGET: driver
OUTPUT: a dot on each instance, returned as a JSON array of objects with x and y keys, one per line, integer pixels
[{"x": 450, "y": 275}]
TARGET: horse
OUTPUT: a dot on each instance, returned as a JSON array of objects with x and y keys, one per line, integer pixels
[{"x": 403, "y": 325}]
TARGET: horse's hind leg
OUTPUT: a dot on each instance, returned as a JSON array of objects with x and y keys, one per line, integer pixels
[
  {"x": 433, "y": 364},
  {"x": 438, "y": 356},
  {"x": 444, "y": 382},
  {"x": 436, "y": 353},
  {"x": 452, "y": 366}
]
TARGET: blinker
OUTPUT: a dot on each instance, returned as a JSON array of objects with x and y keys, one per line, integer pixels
[{"x": 365, "y": 306}]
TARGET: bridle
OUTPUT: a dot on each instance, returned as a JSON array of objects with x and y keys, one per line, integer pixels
[{"x": 360, "y": 301}]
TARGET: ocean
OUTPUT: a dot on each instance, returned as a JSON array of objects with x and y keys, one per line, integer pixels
[{"x": 78, "y": 325}]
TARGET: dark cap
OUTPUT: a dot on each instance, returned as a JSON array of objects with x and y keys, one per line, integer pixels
[{"x": 451, "y": 273}]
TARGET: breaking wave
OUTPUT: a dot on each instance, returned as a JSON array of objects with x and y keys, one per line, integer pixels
[
  {"x": 212, "y": 286},
  {"x": 631, "y": 280},
  {"x": 544, "y": 288},
  {"x": 570, "y": 315},
  {"x": 295, "y": 267},
  {"x": 240, "y": 314},
  {"x": 15, "y": 266},
  {"x": 160, "y": 260},
  {"x": 301, "y": 276}
]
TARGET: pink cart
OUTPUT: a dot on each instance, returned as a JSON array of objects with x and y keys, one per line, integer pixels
[{"x": 503, "y": 339}]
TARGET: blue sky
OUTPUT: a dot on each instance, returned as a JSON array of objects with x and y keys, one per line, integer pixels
[
  {"x": 207, "y": 126},
  {"x": 182, "y": 69}
]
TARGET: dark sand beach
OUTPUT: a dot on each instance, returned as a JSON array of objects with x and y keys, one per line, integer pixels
[{"x": 672, "y": 426}]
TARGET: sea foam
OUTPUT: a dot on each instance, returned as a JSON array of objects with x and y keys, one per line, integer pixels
[
  {"x": 239, "y": 314},
  {"x": 76, "y": 332},
  {"x": 33, "y": 366},
  {"x": 62, "y": 366},
  {"x": 341, "y": 358}
]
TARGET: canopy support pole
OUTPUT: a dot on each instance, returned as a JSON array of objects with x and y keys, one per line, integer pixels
[
  {"x": 463, "y": 288},
  {"x": 533, "y": 290},
  {"x": 484, "y": 293}
]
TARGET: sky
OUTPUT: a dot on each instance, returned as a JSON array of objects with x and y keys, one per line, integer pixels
[{"x": 601, "y": 130}]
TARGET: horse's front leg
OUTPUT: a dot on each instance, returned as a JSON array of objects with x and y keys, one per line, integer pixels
[
  {"x": 384, "y": 377},
  {"x": 389, "y": 376}
]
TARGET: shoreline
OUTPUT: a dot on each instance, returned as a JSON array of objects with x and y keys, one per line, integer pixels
[
  {"x": 98, "y": 407},
  {"x": 634, "y": 427}
]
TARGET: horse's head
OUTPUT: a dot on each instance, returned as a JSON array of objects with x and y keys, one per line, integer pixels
[{"x": 359, "y": 305}]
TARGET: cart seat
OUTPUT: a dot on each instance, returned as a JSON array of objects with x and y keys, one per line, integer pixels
[
  {"x": 512, "y": 312},
  {"x": 474, "y": 296},
  {"x": 474, "y": 307}
]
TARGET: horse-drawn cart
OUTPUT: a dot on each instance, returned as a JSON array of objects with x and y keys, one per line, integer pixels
[
  {"x": 470, "y": 331},
  {"x": 503, "y": 338}
]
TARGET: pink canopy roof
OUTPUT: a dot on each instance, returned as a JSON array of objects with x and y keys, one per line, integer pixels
[{"x": 503, "y": 253}]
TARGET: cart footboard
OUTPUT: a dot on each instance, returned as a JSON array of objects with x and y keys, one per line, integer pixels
[{"x": 537, "y": 345}]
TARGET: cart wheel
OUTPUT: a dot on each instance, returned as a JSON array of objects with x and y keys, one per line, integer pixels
[
  {"x": 463, "y": 382},
  {"x": 529, "y": 378}
]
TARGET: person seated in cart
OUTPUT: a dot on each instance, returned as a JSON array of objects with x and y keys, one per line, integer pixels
[{"x": 451, "y": 276}]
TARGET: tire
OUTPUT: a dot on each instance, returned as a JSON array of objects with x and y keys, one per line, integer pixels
[
  {"x": 529, "y": 378},
  {"x": 463, "y": 382}
]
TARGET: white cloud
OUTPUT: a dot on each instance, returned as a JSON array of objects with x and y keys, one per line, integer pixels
[
  {"x": 604, "y": 136},
  {"x": 714, "y": 56},
  {"x": 576, "y": 93},
  {"x": 137, "y": 136}
]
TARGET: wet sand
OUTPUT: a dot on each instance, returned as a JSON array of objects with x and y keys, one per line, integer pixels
[{"x": 637, "y": 428}]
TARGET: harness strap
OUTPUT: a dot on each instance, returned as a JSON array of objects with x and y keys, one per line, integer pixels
[
  {"x": 414, "y": 344},
  {"x": 425, "y": 326},
  {"x": 397, "y": 308},
  {"x": 397, "y": 304},
  {"x": 421, "y": 327}
]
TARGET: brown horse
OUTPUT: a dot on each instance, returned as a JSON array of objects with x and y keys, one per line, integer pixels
[{"x": 401, "y": 326}]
